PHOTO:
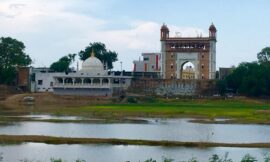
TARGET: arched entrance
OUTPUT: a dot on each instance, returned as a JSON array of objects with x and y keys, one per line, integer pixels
[
  {"x": 187, "y": 71},
  {"x": 183, "y": 61}
]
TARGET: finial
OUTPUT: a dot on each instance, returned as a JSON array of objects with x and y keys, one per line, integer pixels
[{"x": 92, "y": 53}]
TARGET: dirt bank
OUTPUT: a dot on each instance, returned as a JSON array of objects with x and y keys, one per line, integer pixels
[
  {"x": 16, "y": 139},
  {"x": 51, "y": 99}
]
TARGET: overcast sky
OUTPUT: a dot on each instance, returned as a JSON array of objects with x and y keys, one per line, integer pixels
[{"x": 51, "y": 29}]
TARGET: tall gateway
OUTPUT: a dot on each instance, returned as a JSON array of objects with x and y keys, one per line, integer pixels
[{"x": 177, "y": 51}]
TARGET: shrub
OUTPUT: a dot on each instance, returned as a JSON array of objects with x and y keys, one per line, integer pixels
[
  {"x": 248, "y": 158},
  {"x": 132, "y": 100}
]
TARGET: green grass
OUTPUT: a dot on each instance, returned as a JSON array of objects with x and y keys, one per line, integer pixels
[
  {"x": 239, "y": 110},
  {"x": 244, "y": 111}
]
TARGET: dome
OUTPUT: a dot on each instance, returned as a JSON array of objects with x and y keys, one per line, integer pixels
[
  {"x": 164, "y": 27},
  {"x": 93, "y": 66},
  {"x": 212, "y": 28}
]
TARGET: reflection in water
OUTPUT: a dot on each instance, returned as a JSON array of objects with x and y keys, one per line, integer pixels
[
  {"x": 156, "y": 129},
  {"x": 95, "y": 153}
]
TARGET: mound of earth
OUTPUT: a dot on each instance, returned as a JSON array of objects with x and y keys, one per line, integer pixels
[{"x": 51, "y": 99}]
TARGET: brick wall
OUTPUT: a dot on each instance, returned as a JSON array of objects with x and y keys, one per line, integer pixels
[{"x": 163, "y": 87}]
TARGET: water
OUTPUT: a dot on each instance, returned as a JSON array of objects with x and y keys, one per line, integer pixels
[
  {"x": 95, "y": 153},
  {"x": 156, "y": 129}
]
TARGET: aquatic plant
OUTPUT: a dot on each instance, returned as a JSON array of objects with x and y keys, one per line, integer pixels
[
  {"x": 1, "y": 157},
  {"x": 216, "y": 158},
  {"x": 248, "y": 158}
]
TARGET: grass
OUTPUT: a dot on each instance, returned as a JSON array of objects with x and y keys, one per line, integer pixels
[
  {"x": 238, "y": 110},
  {"x": 244, "y": 111},
  {"x": 17, "y": 139}
]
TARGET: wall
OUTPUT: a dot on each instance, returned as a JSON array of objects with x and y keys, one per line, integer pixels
[{"x": 163, "y": 87}]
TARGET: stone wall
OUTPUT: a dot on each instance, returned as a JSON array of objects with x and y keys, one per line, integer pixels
[{"x": 168, "y": 87}]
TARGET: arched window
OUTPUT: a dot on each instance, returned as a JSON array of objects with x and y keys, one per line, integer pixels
[
  {"x": 87, "y": 81},
  {"x": 78, "y": 81},
  {"x": 68, "y": 81},
  {"x": 105, "y": 81},
  {"x": 96, "y": 81}
]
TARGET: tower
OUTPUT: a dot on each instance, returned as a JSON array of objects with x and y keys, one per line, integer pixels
[
  {"x": 178, "y": 51},
  {"x": 164, "y": 34},
  {"x": 212, "y": 31},
  {"x": 212, "y": 51}
]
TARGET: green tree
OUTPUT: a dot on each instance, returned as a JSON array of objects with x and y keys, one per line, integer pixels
[
  {"x": 62, "y": 65},
  {"x": 12, "y": 56},
  {"x": 104, "y": 55},
  {"x": 264, "y": 55}
]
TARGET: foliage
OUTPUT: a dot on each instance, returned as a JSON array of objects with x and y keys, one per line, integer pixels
[
  {"x": 216, "y": 158},
  {"x": 150, "y": 160},
  {"x": 104, "y": 55},
  {"x": 264, "y": 55},
  {"x": 167, "y": 159},
  {"x": 267, "y": 157},
  {"x": 250, "y": 78},
  {"x": 132, "y": 100},
  {"x": 193, "y": 159},
  {"x": 12, "y": 56},
  {"x": 56, "y": 160},
  {"x": 248, "y": 158},
  {"x": 62, "y": 65}
]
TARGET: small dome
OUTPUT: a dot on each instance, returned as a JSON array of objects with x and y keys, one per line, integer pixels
[
  {"x": 164, "y": 27},
  {"x": 92, "y": 66},
  {"x": 212, "y": 28}
]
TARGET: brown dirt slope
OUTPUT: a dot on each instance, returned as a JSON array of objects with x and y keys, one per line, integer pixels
[{"x": 51, "y": 99}]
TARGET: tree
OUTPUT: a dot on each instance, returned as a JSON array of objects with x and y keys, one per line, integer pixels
[
  {"x": 12, "y": 56},
  {"x": 104, "y": 55},
  {"x": 62, "y": 65},
  {"x": 264, "y": 55}
]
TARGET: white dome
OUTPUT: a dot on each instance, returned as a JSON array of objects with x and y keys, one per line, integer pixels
[{"x": 92, "y": 65}]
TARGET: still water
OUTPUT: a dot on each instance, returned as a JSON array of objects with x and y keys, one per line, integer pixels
[
  {"x": 155, "y": 129},
  {"x": 110, "y": 153}
]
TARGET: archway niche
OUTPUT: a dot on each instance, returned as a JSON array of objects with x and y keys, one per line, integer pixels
[
  {"x": 96, "y": 81},
  {"x": 60, "y": 80},
  {"x": 105, "y": 81},
  {"x": 187, "y": 70},
  {"x": 87, "y": 81},
  {"x": 78, "y": 81},
  {"x": 68, "y": 81}
]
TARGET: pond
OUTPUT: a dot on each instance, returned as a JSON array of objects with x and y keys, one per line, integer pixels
[
  {"x": 120, "y": 153},
  {"x": 155, "y": 129}
]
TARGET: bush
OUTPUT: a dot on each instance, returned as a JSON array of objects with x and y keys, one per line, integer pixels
[
  {"x": 132, "y": 100},
  {"x": 248, "y": 158}
]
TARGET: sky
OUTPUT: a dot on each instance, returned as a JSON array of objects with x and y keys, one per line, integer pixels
[{"x": 51, "y": 29}]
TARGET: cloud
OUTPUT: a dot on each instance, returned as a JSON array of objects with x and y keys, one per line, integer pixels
[{"x": 52, "y": 29}]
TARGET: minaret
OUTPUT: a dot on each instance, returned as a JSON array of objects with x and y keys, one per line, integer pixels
[
  {"x": 92, "y": 54},
  {"x": 164, "y": 34},
  {"x": 212, "y": 31},
  {"x": 212, "y": 52}
]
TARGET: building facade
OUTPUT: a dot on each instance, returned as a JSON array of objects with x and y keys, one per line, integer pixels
[
  {"x": 150, "y": 63},
  {"x": 91, "y": 80},
  {"x": 177, "y": 51},
  {"x": 188, "y": 73}
]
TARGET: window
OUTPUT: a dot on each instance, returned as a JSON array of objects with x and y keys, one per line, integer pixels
[
  {"x": 51, "y": 84},
  {"x": 145, "y": 59},
  {"x": 171, "y": 66},
  {"x": 202, "y": 55},
  {"x": 153, "y": 67},
  {"x": 202, "y": 66},
  {"x": 171, "y": 76},
  {"x": 171, "y": 55},
  {"x": 40, "y": 82}
]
